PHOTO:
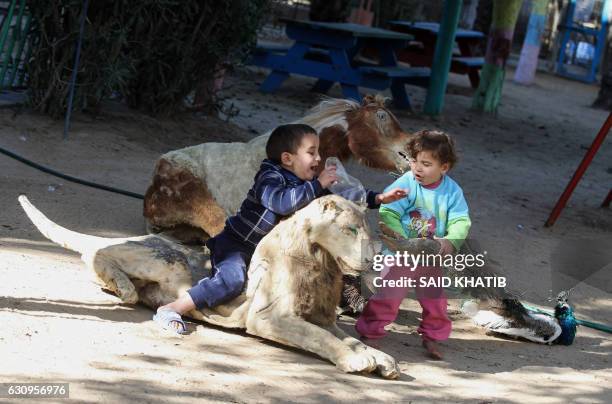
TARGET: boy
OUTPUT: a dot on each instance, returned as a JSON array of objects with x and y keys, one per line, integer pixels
[
  {"x": 284, "y": 183},
  {"x": 435, "y": 208}
]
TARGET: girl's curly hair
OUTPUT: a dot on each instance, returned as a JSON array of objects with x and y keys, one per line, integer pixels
[{"x": 438, "y": 143}]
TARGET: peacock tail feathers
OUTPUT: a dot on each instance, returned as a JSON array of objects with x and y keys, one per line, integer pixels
[{"x": 519, "y": 324}]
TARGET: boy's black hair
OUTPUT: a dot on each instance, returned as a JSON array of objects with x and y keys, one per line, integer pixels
[
  {"x": 438, "y": 143},
  {"x": 286, "y": 138}
]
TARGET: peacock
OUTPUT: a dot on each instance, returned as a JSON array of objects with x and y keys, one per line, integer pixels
[
  {"x": 565, "y": 317},
  {"x": 499, "y": 310}
]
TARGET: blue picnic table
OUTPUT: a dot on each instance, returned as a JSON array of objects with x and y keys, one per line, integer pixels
[
  {"x": 466, "y": 61},
  {"x": 327, "y": 51}
]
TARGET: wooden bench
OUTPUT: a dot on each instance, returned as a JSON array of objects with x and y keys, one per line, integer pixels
[
  {"x": 468, "y": 62},
  {"x": 407, "y": 75},
  {"x": 469, "y": 65},
  {"x": 399, "y": 75},
  {"x": 468, "y": 43}
]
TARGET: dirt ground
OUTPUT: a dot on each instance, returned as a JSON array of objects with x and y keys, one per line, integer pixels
[{"x": 58, "y": 326}]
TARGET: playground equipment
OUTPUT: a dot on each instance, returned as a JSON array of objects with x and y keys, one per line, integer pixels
[{"x": 583, "y": 39}]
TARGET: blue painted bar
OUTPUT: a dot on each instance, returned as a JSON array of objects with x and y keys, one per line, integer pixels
[
  {"x": 569, "y": 18},
  {"x": 582, "y": 30}
]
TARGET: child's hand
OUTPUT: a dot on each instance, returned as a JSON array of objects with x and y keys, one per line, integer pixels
[
  {"x": 446, "y": 247},
  {"x": 328, "y": 177},
  {"x": 391, "y": 195}
]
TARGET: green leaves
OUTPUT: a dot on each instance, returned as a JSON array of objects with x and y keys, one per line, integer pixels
[{"x": 152, "y": 52}]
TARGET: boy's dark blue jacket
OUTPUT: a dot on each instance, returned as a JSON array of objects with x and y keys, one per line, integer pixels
[{"x": 277, "y": 193}]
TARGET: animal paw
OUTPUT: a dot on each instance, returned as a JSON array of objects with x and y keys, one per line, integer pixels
[
  {"x": 386, "y": 365},
  {"x": 129, "y": 297},
  {"x": 357, "y": 362}
]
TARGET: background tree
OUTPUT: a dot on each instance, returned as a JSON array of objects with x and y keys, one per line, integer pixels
[
  {"x": 484, "y": 15},
  {"x": 153, "y": 53},
  {"x": 604, "y": 97},
  {"x": 468, "y": 14},
  {"x": 551, "y": 42},
  {"x": 528, "y": 62},
  {"x": 499, "y": 43},
  {"x": 329, "y": 10}
]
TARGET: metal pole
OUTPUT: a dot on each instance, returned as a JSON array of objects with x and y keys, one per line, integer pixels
[
  {"x": 442, "y": 57},
  {"x": 26, "y": 59},
  {"x": 569, "y": 22},
  {"x": 584, "y": 164},
  {"x": 15, "y": 35},
  {"x": 18, "y": 58},
  {"x": 75, "y": 68},
  {"x": 6, "y": 24}
]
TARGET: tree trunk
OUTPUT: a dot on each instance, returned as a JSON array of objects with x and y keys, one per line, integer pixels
[
  {"x": 488, "y": 95},
  {"x": 484, "y": 13},
  {"x": 555, "y": 11},
  {"x": 329, "y": 10},
  {"x": 604, "y": 98},
  {"x": 468, "y": 14},
  {"x": 528, "y": 63}
]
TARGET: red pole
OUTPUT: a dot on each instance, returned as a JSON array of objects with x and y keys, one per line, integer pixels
[{"x": 586, "y": 161}]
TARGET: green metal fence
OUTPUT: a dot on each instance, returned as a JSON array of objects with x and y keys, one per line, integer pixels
[{"x": 15, "y": 43}]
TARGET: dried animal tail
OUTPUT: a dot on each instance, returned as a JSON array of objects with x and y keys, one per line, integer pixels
[{"x": 69, "y": 239}]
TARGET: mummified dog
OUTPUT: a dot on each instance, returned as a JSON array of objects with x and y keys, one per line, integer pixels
[{"x": 294, "y": 278}]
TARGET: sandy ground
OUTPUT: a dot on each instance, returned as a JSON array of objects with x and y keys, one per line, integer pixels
[{"x": 58, "y": 326}]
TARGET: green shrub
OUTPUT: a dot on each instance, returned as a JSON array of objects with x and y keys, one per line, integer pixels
[{"x": 151, "y": 52}]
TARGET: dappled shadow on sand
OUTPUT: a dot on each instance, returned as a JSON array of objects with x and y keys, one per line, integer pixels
[
  {"x": 45, "y": 308},
  {"x": 470, "y": 349}
]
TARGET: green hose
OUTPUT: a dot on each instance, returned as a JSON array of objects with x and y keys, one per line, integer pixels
[{"x": 590, "y": 324}]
